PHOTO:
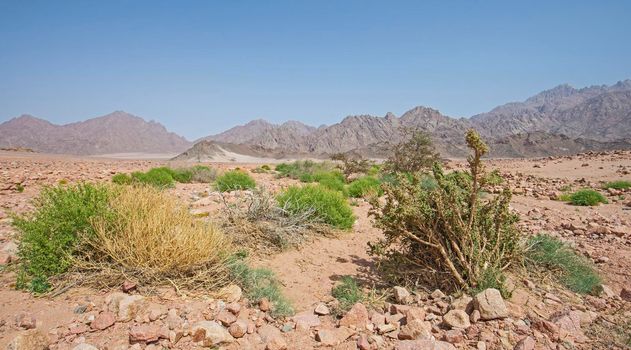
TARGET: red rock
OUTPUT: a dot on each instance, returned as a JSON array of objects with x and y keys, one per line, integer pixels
[
  {"x": 362, "y": 342},
  {"x": 424, "y": 345},
  {"x": 525, "y": 344},
  {"x": 78, "y": 328},
  {"x": 144, "y": 333},
  {"x": 25, "y": 320},
  {"x": 103, "y": 320},
  {"x": 415, "y": 313},
  {"x": 415, "y": 329},
  {"x": 453, "y": 336},
  {"x": 226, "y": 317},
  {"x": 128, "y": 286},
  {"x": 238, "y": 329},
  {"x": 356, "y": 317},
  {"x": 306, "y": 320},
  {"x": 264, "y": 304},
  {"x": 625, "y": 294},
  {"x": 332, "y": 337}
]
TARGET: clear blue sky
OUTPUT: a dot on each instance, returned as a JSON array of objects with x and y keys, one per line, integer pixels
[{"x": 200, "y": 67}]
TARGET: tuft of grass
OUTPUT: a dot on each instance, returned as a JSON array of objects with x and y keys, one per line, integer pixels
[
  {"x": 260, "y": 283},
  {"x": 235, "y": 180},
  {"x": 303, "y": 170},
  {"x": 364, "y": 186},
  {"x": 49, "y": 236},
  {"x": 492, "y": 278},
  {"x": 203, "y": 174},
  {"x": 122, "y": 179},
  {"x": 19, "y": 188},
  {"x": 348, "y": 293},
  {"x": 565, "y": 197},
  {"x": 587, "y": 197},
  {"x": 572, "y": 270},
  {"x": 618, "y": 185},
  {"x": 329, "y": 206}
]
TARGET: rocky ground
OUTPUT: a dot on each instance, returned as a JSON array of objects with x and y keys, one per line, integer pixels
[{"x": 539, "y": 314}]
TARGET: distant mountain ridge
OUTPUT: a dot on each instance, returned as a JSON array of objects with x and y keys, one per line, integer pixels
[
  {"x": 117, "y": 132},
  {"x": 561, "y": 120}
]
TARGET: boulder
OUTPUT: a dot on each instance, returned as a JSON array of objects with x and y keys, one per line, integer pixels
[
  {"x": 401, "y": 294},
  {"x": 144, "y": 333},
  {"x": 356, "y": 317},
  {"x": 103, "y": 320}
]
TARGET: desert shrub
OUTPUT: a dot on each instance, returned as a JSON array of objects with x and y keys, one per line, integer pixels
[
  {"x": 157, "y": 177},
  {"x": 352, "y": 164},
  {"x": 122, "y": 179},
  {"x": 255, "y": 221},
  {"x": 415, "y": 153},
  {"x": 347, "y": 292},
  {"x": 569, "y": 268},
  {"x": 266, "y": 167},
  {"x": 494, "y": 178},
  {"x": 447, "y": 236},
  {"x": 303, "y": 169},
  {"x": 321, "y": 203},
  {"x": 19, "y": 188},
  {"x": 234, "y": 180},
  {"x": 333, "y": 180},
  {"x": 260, "y": 283},
  {"x": 618, "y": 185},
  {"x": 49, "y": 235},
  {"x": 154, "y": 238},
  {"x": 587, "y": 197},
  {"x": 181, "y": 175},
  {"x": 364, "y": 186},
  {"x": 203, "y": 174}
]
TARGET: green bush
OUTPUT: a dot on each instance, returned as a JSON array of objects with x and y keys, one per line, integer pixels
[
  {"x": 234, "y": 180},
  {"x": 122, "y": 179},
  {"x": 322, "y": 203},
  {"x": 347, "y": 293},
  {"x": 181, "y": 175},
  {"x": 571, "y": 269},
  {"x": 618, "y": 185},
  {"x": 364, "y": 186},
  {"x": 587, "y": 197},
  {"x": 446, "y": 235},
  {"x": 49, "y": 235},
  {"x": 157, "y": 177},
  {"x": 260, "y": 283}
]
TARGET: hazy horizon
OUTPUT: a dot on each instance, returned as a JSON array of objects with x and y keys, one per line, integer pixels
[{"x": 200, "y": 67}]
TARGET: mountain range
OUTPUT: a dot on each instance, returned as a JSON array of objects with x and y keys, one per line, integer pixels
[{"x": 561, "y": 120}]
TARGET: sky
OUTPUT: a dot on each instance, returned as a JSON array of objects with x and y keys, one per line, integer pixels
[{"x": 200, "y": 67}]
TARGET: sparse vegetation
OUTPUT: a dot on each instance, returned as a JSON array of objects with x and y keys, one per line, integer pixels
[
  {"x": 157, "y": 177},
  {"x": 165, "y": 177},
  {"x": 303, "y": 170},
  {"x": 234, "y": 180},
  {"x": 365, "y": 186},
  {"x": 447, "y": 236},
  {"x": 415, "y": 153},
  {"x": 347, "y": 292},
  {"x": 320, "y": 203},
  {"x": 122, "y": 179},
  {"x": 618, "y": 185},
  {"x": 333, "y": 180},
  {"x": 203, "y": 174},
  {"x": 586, "y": 197},
  {"x": 19, "y": 188},
  {"x": 352, "y": 164},
  {"x": 258, "y": 223},
  {"x": 260, "y": 283},
  {"x": 569, "y": 268}
]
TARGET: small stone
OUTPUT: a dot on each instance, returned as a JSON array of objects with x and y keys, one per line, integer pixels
[
  {"x": 172, "y": 320},
  {"x": 625, "y": 294},
  {"x": 401, "y": 294},
  {"x": 437, "y": 294},
  {"x": 475, "y": 316},
  {"x": 525, "y": 344},
  {"x": 272, "y": 337},
  {"x": 210, "y": 333},
  {"x": 332, "y": 337},
  {"x": 356, "y": 317},
  {"x": 306, "y": 320},
  {"x": 457, "y": 319},
  {"x": 464, "y": 303},
  {"x": 415, "y": 329},
  {"x": 321, "y": 309},
  {"x": 415, "y": 313},
  {"x": 234, "y": 308},
  {"x": 287, "y": 327},
  {"x": 144, "y": 333},
  {"x": 238, "y": 329},
  {"x": 423, "y": 344},
  {"x": 453, "y": 336},
  {"x": 103, "y": 320},
  {"x": 226, "y": 317},
  {"x": 264, "y": 304},
  {"x": 128, "y": 286},
  {"x": 386, "y": 328},
  {"x": 25, "y": 320},
  {"x": 363, "y": 343},
  {"x": 231, "y": 293},
  {"x": 490, "y": 304}
]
